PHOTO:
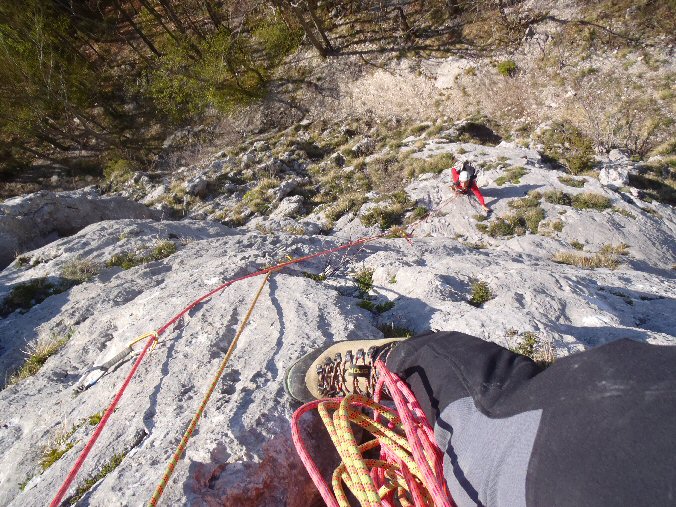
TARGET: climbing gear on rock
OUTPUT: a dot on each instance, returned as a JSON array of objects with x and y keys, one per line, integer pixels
[
  {"x": 94, "y": 374},
  {"x": 337, "y": 370},
  {"x": 409, "y": 470}
]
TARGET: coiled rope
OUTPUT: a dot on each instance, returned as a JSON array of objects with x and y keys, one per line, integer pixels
[{"x": 410, "y": 468}]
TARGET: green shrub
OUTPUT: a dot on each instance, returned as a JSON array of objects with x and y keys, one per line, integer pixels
[
  {"x": 512, "y": 175},
  {"x": 277, "y": 39},
  {"x": 577, "y": 245},
  {"x": 364, "y": 280},
  {"x": 481, "y": 293},
  {"x": 506, "y": 68},
  {"x": 118, "y": 171},
  {"x": 572, "y": 182},
  {"x": 590, "y": 200},
  {"x": 566, "y": 143}
]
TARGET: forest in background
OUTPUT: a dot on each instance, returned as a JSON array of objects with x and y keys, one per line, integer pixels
[{"x": 97, "y": 82}]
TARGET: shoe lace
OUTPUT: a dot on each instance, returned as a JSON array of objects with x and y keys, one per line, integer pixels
[{"x": 340, "y": 376}]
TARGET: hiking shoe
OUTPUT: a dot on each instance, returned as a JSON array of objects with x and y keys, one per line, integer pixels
[{"x": 337, "y": 370}]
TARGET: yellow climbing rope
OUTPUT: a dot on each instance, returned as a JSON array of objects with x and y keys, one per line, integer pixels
[{"x": 193, "y": 424}]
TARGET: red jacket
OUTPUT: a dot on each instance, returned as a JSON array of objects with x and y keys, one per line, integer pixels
[{"x": 472, "y": 186}]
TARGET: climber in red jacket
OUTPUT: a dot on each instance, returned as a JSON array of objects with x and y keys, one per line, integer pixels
[{"x": 464, "y": 180}]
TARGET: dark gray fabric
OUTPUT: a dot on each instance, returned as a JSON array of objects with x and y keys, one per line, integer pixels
[{"x": 607, "y": 420}]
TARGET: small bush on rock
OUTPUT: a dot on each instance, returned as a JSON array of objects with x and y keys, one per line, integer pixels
[
  {"x": 481, "y": 293},
  {"x": 506, "y": 68},
  {"x": 364, "y": 280},
  {"x": 512, "y": 175},
  {"x": 572, "y": 182},
  {"x": 558, "y": 197}
]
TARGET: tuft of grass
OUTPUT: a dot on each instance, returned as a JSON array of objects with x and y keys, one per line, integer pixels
[
  {"x": 434, "y": 165},
  {"x": 53, "y": 454},
  {"x": 572, "y": 182},
  {"x": 624, "y": 212},
  {"x": 481, "y": 293},
  {"x": 419, "y": 213},
  {"x": 512, "y": 175},
  {"x": 384, "y": 217},
  {"x": 90, "y": 481},
  {"x": 542, "y": 353},
  {"x": 313, "y": 276},
  {"x": 577, "y": 245},
  {"x": 517, "y": 223},
  {"x": 364, "y": 280},
  {"x": 530, "y": 201},
  {"x": 375, "y": 308},
  {"x": 37, "y": 356},
  {"x": 258, "y": 199},
  {"x": 80, "y": 270},
  {"x": 506, "y": 68},
  {"x": 606, "y": 257},
  {"x": 128, "y": 260},
  {"x": 558, "y": 197},
  {"x": 28, "y": 294},
  {"x": 589, "y": 200},
  {"x": 392, "y": 331},
  {"x": 95, "y": 419}
]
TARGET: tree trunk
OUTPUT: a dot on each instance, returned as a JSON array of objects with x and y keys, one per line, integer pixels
[
  {"x": 158, "y": 17},
  {"x": 323, "y": 51},
  {"x": 213, "y": 14},
  {"x": 319, "y": 27},
  {"x": 136, "y": 28}
]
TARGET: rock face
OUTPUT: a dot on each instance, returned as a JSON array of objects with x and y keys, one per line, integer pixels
[
  {"x": 31, "y": 221},
  {"x": 241, "y": 453}
]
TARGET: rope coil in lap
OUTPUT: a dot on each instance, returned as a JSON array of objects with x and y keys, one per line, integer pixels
[{"x": 410, "y": 468}]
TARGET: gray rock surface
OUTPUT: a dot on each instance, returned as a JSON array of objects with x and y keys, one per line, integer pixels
[
  {"x": 241, "y": 453},
  {"x": 30, "y": 221}
]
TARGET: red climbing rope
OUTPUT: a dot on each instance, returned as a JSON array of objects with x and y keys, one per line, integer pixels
[
  {"x": 102, "y": 423},
  {"x": 155, "y": 336}
]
